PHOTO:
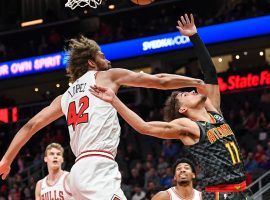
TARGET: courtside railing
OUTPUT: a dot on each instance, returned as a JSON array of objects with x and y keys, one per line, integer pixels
[{"x": 261, "y": 187}]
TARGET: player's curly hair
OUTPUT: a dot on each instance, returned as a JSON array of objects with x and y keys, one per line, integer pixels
[
  {"x": 171, "y": 109},
  {"x": 80, "y": 51}
]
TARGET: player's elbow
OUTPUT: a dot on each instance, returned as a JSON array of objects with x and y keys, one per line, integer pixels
[
  {"x": 33, "y": 125},
  {"x": 30, "y": 126}
]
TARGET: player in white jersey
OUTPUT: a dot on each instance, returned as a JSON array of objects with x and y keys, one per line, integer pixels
[
  {"x": 93, "y": 124},
  {"x": 54, "y": 185},
  {"x": 184, "y": 173}
]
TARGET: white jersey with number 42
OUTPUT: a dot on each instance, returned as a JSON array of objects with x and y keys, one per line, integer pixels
[{"x": 93, "y": 123}]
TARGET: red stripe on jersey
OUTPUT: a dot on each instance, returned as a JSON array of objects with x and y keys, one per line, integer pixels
[
  {"x": 88, "y": 151},
  {"x": 89, "y": 155}
]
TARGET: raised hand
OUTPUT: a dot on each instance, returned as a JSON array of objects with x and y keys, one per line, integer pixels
[
  {"x": 186, "y": 25},
  {"x": 4, "y": 169},
  {"x": 104, "y": 93}
]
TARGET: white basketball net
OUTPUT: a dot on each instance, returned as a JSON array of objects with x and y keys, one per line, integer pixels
[{"x": 82, "y": 3}]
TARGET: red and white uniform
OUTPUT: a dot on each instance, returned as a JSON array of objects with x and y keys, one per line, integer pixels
[
  {"x": 56, "y": 191},
  {"x": 175, "y": 196},
  {"x": 94, "y": 137}
]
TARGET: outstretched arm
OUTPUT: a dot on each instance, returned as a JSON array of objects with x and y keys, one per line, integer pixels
[
  {"x": 40, "y": 120},
  {"x": 159, "y": 81},
  {"x": 164, "y": 130},
  {"x": 187, "y": 28}
]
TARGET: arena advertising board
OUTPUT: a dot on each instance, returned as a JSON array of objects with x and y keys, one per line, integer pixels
[
  {"x": 241, "y": 81},
  {"x": 173, "y": 41},
  {"x": 33, "y": 65},
  {"x": 143, "y": 46}
]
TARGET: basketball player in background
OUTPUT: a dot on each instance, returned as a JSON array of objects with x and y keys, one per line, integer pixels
[
  {"x": 54, "y": 185},
  {"x": 93, "y": 124},
  {"x": 184, "y": 174},
  {"x": 196, "y": 120}
]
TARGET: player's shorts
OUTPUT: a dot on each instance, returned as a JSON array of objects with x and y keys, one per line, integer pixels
[{"x": 95, "y": 176}]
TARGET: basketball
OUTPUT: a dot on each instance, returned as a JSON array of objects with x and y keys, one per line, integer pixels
[{"x": 142, "y": 2}]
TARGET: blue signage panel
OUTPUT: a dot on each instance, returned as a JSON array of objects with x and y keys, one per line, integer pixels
[
  {"x": 32, "y": 65},
  {"x": 172, "y": 41},
  {"x": 144, "y": 46}
]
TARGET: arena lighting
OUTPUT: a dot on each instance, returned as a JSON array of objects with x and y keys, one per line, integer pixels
[
  {"x": 8, "y": 115},
  {"x": 31, "y": 23},
  {"x": 4, "y": 115},
  {"x": 237, "y": 57},
  {"x": 244, "y": 81},
  {"x": 146, "y": 69},
  {"x": 261, "y": 53},
  {"x": 57, "y": 85},
  {"x": 220, "y": 60},
  {"x": 111, "y": 6},
  {"x": 245, "y": 53},
  {"x": 14, "y": 112},
  {"x": 36, "y": 89}
]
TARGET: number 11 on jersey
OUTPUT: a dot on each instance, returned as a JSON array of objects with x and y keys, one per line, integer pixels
[{"x": 231, "y": 147}]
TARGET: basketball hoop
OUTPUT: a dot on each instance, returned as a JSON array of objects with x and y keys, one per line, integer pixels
[{"x": 82, "y": 3}]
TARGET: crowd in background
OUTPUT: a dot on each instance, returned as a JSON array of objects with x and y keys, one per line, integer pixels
[
  {"x": 146, "y": 162},
  {"x": 123, "y": 26}
]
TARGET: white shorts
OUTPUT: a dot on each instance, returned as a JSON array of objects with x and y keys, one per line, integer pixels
[{"x": 95, "y": 176}]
